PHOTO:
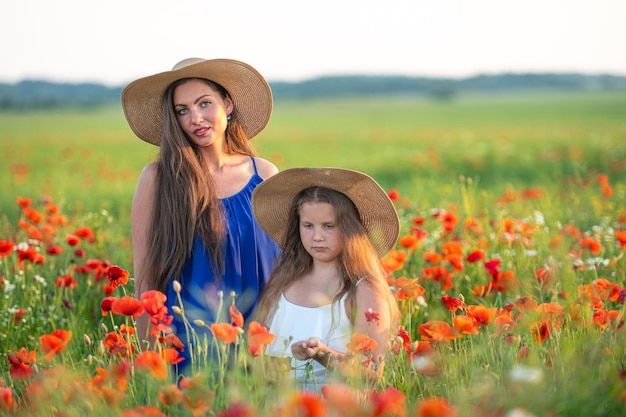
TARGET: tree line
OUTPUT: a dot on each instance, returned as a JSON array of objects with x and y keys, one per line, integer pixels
[{"x": 37, "y": 94}]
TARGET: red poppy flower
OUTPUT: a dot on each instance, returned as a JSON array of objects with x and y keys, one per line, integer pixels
[
  {"x": 72, "y": 240},
  {"x": 105, "y": 305},
  {"x": 236, "y": 318},
  {"x": 372, "y": 316},
  {"x": 526, "y": 303},
  {"x": 436, "y": 331},
  {"x": 620, "y": 235},
  {"x": 33, "y": 215},
  {"x": 7, "y": 402},
  {"x": 67, "y": 281},
  {"x": 54, "y": 250},
  {"x": 408, "y": 288},
  {"x": 117, "y": 276},
  {"x": 6, "y": 247},
  {"x": 127, "y": 306},
  {"x": 410, "y": 242},
  {"x": 259, "y": 335},
  {"x": 225, "y": 332},
  {"x": 117, "y": 345},
  {"x": 342, "y": 399},
  {"x": 606, "y": 289},
  {"x": 21, "y": 363},
  {"x": 592, "y": 245},
  {"x": 142, "y": 411},
  {"x": 452, "y": 303},
  {"x": 435, "y": 407},
  {"x": 170, "y": 395},
  {"x": 390, "y": 402},
  {"x": 405, "y": 336},
  {"x": 154, "y": 303},
  {"x": 542, "y": 330},
  {"x": 172, "y": 356},
  {"x": 475, "y": 256},
  {"x": 360, "y": 343},
  {"x": 432, "y": 258},
  {"x": 304, "y": 404},
  {"x": 19, "y": 313},
  {"x": 24, "y": 202},
  {"x": 493, "y": 266},
  {"x": 482, "y": 314},
  {"x": 54, "y": 343},
  {"x": 171, "y": 340},
  {"x": 393, "y": 262},
  {"x": 465, "y": 324},
  {"x": 394, "y": 195},
  {"x": 152, "y": 362},
  {"x": 84, "y": 232}
]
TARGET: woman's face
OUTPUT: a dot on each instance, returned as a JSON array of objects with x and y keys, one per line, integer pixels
[
  {"x": 201, "y": 112},
  {"x": 319, "y": 233}
]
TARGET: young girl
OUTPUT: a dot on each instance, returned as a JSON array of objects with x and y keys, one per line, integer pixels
[{"x": 333, "y": 225}]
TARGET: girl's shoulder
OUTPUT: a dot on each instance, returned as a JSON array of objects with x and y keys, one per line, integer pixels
[{"x": 366, "y": 293}]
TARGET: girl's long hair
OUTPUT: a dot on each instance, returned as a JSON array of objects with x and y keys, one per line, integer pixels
[
  {"x": 358, "y": 259},
  {"x": 186, "y": 202}
]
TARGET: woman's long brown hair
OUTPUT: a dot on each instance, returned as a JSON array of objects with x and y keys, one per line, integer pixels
[{"x": 186, "y": 202}]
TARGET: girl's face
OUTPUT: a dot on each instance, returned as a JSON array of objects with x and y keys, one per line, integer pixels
[
  {"x": 319, "y": 233},
  {"x": 201, "y": 112}
]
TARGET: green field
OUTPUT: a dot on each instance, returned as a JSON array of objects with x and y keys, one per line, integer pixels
[
  {"x": 91, "y": 159},
  {"x": 515, "y": 206}
]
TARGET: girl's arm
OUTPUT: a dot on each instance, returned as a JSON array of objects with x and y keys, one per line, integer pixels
[
  {"x": 369, "y": 301},
  {"x": 141, "y": 216}
]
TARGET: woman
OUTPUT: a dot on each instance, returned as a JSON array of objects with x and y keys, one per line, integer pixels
[{"x": 192, "y": 222}]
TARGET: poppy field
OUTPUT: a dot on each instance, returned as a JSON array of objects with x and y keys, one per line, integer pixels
[{"x": 510, "y": 268}]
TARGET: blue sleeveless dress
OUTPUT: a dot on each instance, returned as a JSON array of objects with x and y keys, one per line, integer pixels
[{"x": 249, "y": 256}]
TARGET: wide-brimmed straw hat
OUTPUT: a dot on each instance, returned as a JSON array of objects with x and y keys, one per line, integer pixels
[
  {"x": 251, "y": 94},
  {"x": 273, "y": 198}
]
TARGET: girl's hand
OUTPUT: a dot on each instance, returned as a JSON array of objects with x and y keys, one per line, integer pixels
[{"x": 306, "y": 349}]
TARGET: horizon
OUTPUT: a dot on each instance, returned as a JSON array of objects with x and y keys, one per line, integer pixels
[{"x": 323, "y": 76}]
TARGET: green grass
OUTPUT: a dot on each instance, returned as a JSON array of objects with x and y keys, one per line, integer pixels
[
  {"x": 92, "y": 159},
  {"x": 458, "y": 158}
]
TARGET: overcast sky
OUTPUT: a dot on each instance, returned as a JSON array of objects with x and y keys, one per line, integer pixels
[{"x": 116, "y": 41}]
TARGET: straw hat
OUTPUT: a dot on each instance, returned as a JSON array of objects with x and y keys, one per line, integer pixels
[
  {"x": 142, "y": 99},
  {"x": 272, "y": 199}
]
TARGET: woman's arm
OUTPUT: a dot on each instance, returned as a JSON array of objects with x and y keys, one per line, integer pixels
[{"x": 141, "y": 217}]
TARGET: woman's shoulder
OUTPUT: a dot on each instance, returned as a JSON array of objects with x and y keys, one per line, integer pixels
[
  {"x": 148, "y": 174},
  {"x": 265, "y": 168}
]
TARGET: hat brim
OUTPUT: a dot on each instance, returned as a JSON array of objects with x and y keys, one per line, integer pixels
[
  {"x": 251, "y": 94},
  {"x": 272, "y": 199}
]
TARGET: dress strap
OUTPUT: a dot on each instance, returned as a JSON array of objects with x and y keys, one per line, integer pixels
[
  {"x": 254, "y": 165},
  {"x": 358, "y": 282}
]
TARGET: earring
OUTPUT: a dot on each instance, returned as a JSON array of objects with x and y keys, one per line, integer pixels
[{"x": 229, "y": 117}]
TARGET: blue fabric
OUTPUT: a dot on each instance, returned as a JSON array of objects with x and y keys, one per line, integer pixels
[{"x": 249, "y": 256}]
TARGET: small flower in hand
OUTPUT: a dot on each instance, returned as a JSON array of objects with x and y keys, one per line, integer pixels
[{"x": 372, "y": 316}]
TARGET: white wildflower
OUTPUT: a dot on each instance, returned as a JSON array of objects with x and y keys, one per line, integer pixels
[{"x": 526, "y": 374}]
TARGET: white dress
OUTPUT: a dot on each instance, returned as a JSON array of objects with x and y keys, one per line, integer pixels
[{"x": 292, "y": 323}]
